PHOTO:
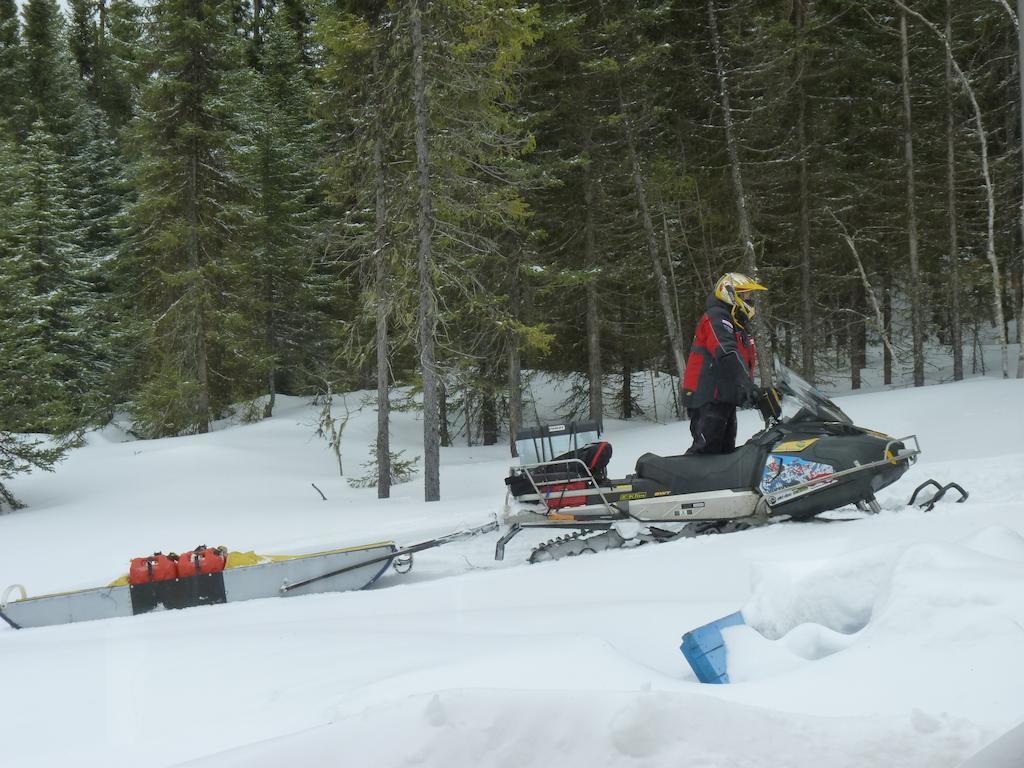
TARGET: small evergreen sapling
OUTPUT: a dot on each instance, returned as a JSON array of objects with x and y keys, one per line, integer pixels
[
  {"x": 21, "y": 453},
  {"x": 402, "y": 470}
]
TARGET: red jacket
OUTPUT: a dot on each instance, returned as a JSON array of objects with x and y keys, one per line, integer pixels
[{"x": 722, "y": 359}]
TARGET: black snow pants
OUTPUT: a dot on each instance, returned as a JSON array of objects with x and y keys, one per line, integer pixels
[{"x": 713, "y": 427}]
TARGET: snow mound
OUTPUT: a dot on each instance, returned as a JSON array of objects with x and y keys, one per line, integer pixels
[
  {"x": 998, "y": 541},
  {"x": 482, "y": 727},
  {"x": 930, "y": 595}
]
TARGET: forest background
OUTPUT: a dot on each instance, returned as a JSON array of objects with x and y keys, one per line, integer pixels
[{"x": 209, "y": 202}]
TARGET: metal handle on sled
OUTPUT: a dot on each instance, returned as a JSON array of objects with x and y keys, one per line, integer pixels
[
  {"x": 3, "y": 604},
  {"x": 430, "y": 544}
]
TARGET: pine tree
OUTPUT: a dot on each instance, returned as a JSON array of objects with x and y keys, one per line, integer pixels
[
  {"x": 19, "y": 344},
  {"x": 48, "y": 77},
  {"x": 83, "y": 37},
  {"x": 190, "y": 288},
  {"x": 121, "y": 67},
  {"x": 356, "y": 112},
  {"x": 10, "y": 77},
  {"x": 455, "y": 214},
  {"x": 56, "y": 348},
  {"x": 100, "y": 193},
  {"x": 278, "y": 167}
]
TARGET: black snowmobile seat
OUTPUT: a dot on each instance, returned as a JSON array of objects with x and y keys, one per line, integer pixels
[{"x": 695, "y": 473}]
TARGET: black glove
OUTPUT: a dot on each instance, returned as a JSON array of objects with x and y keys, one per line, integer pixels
[
  {"x": 768, "y": 401},
  {"x": 746, "y": 392}
]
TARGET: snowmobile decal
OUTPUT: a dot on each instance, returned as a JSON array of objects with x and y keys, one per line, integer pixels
[
  {"x": 633, "y": 496},
  {"x": 781, "y": 472},
  {"x": 794, "y": 446}
]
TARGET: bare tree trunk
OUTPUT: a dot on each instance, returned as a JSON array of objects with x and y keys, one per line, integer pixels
[
  {"x": 270, "y": 320},
  {"x": 675, "y": 303},
  {"x": 883, "y": 314},
  {"x": 742, "y": 216},
  {"x": 1020, "y": 83},
  {"x": 594, "y": 368},
  {"x": 380, "y": 257},
  {"x": 442, "y": 412},
  {"x": 670, "y": 260},
  {"x": 916, "y": 310},
  {"x": 427, "y": 309},
  {"x": 990, "y": 248},
  {"x": 887, "y": 353},
  {"x": 671, "y": 325},
  {"x": 955, "y": 321},
  {"x": 654, "y": 395},
  {"x": 271, "y": 340},
  {"x": 202, "y": 374},
  {"x": 807, "y": 336},
  {"x": 858, "y": 336},
  {"x": 627, "y": 387},
  {"x": 515, "y": 380},
  {"x": 488, "y": 410},
  {"x": 851, "y": 334},
  {"x": 974, "y": 346}
]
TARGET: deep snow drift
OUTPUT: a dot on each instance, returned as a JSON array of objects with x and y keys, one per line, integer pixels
[{"x": 889, "y": 641}]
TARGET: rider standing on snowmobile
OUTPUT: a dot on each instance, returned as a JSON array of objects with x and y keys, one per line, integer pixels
[{"x": 719, "y": 373}]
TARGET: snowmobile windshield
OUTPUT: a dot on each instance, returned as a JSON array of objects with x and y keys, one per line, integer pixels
[{"x": 812, "y": 402}]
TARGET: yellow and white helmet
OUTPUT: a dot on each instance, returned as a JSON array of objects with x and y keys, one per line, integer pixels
[{"x": 734, "y": 289}]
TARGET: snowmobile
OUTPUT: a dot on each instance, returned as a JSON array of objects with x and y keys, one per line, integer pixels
[{"x": 811, "y": 461}]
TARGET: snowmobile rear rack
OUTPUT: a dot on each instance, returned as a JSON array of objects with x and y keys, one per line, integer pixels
[
  {"x": 586, "y": 476},
  {"x": 929, "y": 504}
]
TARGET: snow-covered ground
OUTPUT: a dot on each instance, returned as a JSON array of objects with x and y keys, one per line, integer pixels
[{"x": 896, "y": 640}]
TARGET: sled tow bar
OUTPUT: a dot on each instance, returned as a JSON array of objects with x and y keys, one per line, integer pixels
[
  {"x": 430, "y": 544},
  {"x": 929, "y": 504}
]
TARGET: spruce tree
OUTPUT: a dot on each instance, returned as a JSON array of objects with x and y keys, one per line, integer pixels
[
  {"x": 189, "y": 287},
  {"x": 83, "y": 37},
  {"x": 48, "y": 78},
  {"x": 55, "y": 348},
  {"x": 121, "y": 66},
  {"x": 10, "y": 76},
  {"x": 277, "y": 163},
  {"x": 478, "y": 144},
  {"x": 19, "y": 344}
]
